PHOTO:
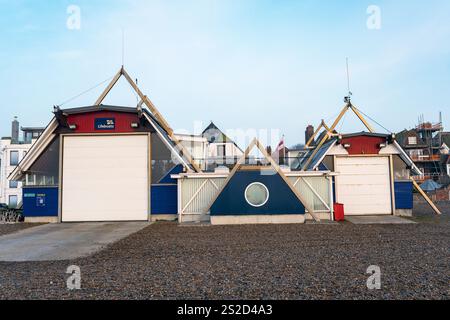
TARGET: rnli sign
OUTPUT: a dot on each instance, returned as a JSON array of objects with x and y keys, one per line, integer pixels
[{"x": 105, "y": 124}]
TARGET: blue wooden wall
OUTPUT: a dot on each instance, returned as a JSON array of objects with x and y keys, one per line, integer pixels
[
  {"x": 164, "y": 194},
  {"x": 40, "y": 202},
  {"x": 232, "y": 201},
  {"x": 403, "y": 194},
  {"x": 164, "y": 199}
]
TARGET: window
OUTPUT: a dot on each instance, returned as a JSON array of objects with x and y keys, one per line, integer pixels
[
  {"x": 12, "y": 202},
  {"x": 28, "y": 137},
  {"x": 14, "y": 158},
  {"x": 412, "y": 140},
  {"x": 256, "y": 194},
  {"x": 13, "y": 184},
  {"x": 221, "y": 150}
]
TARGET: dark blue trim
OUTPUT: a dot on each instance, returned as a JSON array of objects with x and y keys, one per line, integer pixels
[
  {"x": 282, "y": 200},
  {"x": 40, "y": 201},
  {"x": 175, "y": 170},
  {"x": 403, "y": 194},
  {"x": 164, "y": 199}
]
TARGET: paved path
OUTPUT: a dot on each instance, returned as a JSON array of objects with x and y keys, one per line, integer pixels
[
  {"x": 64, "y": 241},
  {"x": 378, "y": 220}
]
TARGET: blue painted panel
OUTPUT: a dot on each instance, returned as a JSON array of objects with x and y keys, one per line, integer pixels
[
  {"x": 281, "y": 198},
  {"x": 40, "y": 202},
  {"x": 403, "y": 194},
  {"x": 175, "y": 170},
  {"x": 164, "y": 199}
]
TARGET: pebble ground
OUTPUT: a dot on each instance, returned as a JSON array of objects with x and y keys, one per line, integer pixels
[{"x": 167, "y": 261}]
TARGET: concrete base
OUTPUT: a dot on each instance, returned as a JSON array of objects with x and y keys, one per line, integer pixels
[
  {"x": 41, "y": 219},
  {"x": 64, "y": 241},
  {"x": 163, "y": 217},
  {"x": 186, "y": 218},
  {"x": 259, "y": 219},
  {"x": 321, "y": 215},
  {"x": 404, "y": 212},
  {"x": 377, "y": 220}
]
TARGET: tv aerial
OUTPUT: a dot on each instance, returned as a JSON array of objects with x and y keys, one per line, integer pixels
[{"x": 348, "y": 98}]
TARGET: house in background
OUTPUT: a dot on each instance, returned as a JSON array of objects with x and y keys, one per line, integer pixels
[
  {"x": 12, "y": 150},
  {"x": 197, "y": 145},
  {"x": 221, "y": 149},
  {"x": 428, "y": 145}
]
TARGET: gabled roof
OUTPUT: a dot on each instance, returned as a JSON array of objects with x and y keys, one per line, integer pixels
[
  {"x": 365, "y": 134},
  {"x": 319, "y": 155},
  {"x": 214, "y": 135},
  {"x": 49, "y": 134},
  {"x": 98, "y": 108}
]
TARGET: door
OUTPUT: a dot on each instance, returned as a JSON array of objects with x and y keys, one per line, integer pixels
[
  {"x": 105, "y": 178},
  {"x": 363, "y": 185}
]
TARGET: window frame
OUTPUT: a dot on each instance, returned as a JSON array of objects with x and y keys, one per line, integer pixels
[
  {"x": 13, "y": 184},
  {"x": 11, "y": 157},
  {"x": 9, "y": 201},
  {"x": 265, "y": 188}
]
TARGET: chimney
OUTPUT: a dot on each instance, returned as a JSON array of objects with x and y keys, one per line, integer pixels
[
  {"x": 15, "y": 131},
  {"x": 309, "y": 133}
]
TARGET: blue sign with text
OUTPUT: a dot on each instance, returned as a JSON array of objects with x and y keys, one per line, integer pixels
[{"x": 105, "y": 124}]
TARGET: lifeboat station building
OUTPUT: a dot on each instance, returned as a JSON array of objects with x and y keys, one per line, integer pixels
[
  {"x": 113, "y": 163},
  {"x": 101, "y": 163}
]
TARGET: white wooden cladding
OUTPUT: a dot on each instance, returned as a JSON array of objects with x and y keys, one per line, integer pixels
[
  {"x": 315, "y": 190},
  {"x": 197, "y": 193}
]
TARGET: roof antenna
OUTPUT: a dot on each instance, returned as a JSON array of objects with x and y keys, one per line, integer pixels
[
  {"x": 123, "y": 47},
  {"x": 347, "y": 99}
]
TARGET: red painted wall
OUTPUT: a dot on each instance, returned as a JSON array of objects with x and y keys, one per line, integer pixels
[
  {"x": 363, "y": 144},
  {"x": 85, "y": 122}
]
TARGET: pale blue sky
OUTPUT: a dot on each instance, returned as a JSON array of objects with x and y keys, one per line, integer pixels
[{"x": 244, "y": 64}]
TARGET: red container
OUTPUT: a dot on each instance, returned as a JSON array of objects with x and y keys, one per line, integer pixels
[{"x": 338, "y": 212}]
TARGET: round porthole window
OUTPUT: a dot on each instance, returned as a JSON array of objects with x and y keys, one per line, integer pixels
[{"x": 256, "y": 194}]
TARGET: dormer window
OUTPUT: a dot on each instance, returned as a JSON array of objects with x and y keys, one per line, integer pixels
[{"x": 412, "y": 140}]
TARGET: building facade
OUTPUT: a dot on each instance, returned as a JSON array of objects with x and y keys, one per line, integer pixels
[
  {"x": 12, "y": 150},
  {"x": 428, "y": 145},
  {"x": 221, "y": 150}
]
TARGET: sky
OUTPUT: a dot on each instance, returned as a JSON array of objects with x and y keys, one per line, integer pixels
[{"x": 263, "y": 67}]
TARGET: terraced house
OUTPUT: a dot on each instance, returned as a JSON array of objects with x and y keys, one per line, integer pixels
[{"x": 12, "y": 150}]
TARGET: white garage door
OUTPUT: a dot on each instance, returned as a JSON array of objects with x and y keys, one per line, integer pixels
[
  {"x": 105, "y": 178},
  {"x": 363, "y": 185}
]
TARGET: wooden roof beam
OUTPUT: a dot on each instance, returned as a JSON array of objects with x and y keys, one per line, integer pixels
[
  {"x": 326, "y": 137},
  {"x": 277, "y": 168}
]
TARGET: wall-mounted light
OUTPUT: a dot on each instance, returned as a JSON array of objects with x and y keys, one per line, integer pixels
[
  {"x": 135, "y": 125},
  {"x": 347, "y": 145},
  {"x": 382, "y": 145},
  {"x": 72, "y": 126}
]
